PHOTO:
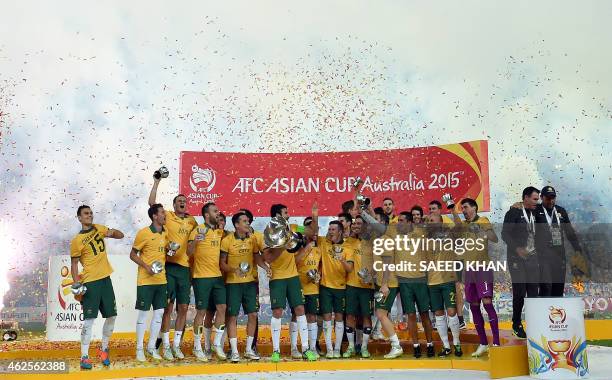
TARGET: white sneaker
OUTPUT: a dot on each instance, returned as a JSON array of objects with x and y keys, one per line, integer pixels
[
  {"x": 152, "y": 352},
  {"x": 481, "y": 350},
  {"x": 396, "y": 351},
  {"x": 337, "y": 354},
  {"x": 250, "y": 354},
  {"x": 329, "y": 354},
  {"x": 140, "y": 355},
  {"x": 219, "y": 352},
  {"x": 234, "y": 357},
  {"x": 167, "y": 353},
  {"x": 178, "y": 353},
  {"x": 377, "y": 335},
  {"x": 200, "y": 355},
  {"x": 295, "y": 353}
]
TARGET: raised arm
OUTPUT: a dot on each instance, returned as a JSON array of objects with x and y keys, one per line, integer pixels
[
  {"x": 315, "y": 218},
  {"x": 153, "y": 194}
]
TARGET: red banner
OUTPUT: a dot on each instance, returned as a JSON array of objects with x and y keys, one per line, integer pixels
[{"x": 413, "y": 176}]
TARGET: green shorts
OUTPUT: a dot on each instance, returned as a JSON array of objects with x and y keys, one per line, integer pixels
[
  {"x": 332, "y": 300},
  {"x": 442, "y": 295},
  {"x": 286, "y": 289},
  {"x": 179, "y": 284},
  {"x": 414, "y": 291},
  {"x": 209, "y": 291},
  {"x": 359, "y": 301},
  {"x": 244, "y": 294},
  {"x": 387, "y": 303},
  {"x": 311, "y": 304},
  {"x": 99, "y": 296},
  {"x": 155, "y": 295}
]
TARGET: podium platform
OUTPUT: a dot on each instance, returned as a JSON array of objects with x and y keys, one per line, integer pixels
[{"x": 504, "y": 361}]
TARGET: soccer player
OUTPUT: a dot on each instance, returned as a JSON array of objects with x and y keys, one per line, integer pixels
[
  {"x": 412, "y": 284},
  {"x": 386, "y": 281},
  {"x": 221, "y": 223},
  {"x": 179, "y": 225},
  {"x": 337, "y": 261},
  {"x": 88, "y": 248},
  {"x": 441, "y": 285},
  {"x": 285, "y": 287},
  {"x": 417, "y": 215},
  {"x": 479, "y": 283},
  {"x": 435, "y": 208},
  {"x": 346, "y": 219},
  {"x": 240, "y": 249},
  {"x": 351, "y": 207},
  {"x": 150, "y": 246},
  {"x": 258, "y": 236},
  {"x": 309, "y": 258},
  {"x": 208, "y": 285},
  {"x": 359, "y": 291},
  {"x": 389, "y": 207}
]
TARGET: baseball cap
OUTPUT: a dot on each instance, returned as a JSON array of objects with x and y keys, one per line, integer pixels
[{"x": 549, "y": 191}]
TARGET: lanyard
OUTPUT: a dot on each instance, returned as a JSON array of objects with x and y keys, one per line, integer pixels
[
  {"x": 530, "y": 221},
  {"x": 553, "y": 214}
]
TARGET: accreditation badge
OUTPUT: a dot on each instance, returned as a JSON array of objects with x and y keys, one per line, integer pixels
[{"x": 557, "y": 239}]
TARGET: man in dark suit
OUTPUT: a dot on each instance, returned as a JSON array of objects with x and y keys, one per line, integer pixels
[
  {"x": 518, "y": 233},
  {"x": 552, "y": 226}
]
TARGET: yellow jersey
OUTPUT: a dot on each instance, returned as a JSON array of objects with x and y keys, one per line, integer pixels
[
  {"x": 412, "y": 256},
  {"x": 378, "y": 262},
  {"x": 89, "y": 247},
  {"x": 360, "y": 260},
  {"x": 394, "y": 219},
  {"x": 333, "y": 274},
  {"x": 151, "y": 246},
  {"x": 311, "y": 260},
  {"x": 239, "y": 250},
  {"x": 439, "y": 254},
  {"x": 178, "y": 230},
  {"x": 284, "y": 266},
  {"x": 476, "y": 230},
  {"x": 207, "y": 253},
  {"x": 260, "y": 246}
]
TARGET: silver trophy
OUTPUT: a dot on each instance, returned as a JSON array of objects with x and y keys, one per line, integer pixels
[
  {"x": 202, "y": 231},
  {"x": 78, "y": 289},
  {"x": 448, "y": 199},
  {"x": 530, "y": 248},
  {"x": 313, "y": 276},
  {"x": 244, "y": 268},
  {"x": 365, "y": 275},
  {"x": 379, "y": 297},
  {"x": 161, "y": 173},
  {"x": 362, "y": 200},
  {"x": 278, "y": 235},
  {"x": 474, "y": 228},
  {"x": 157, "y": 267},
  {"x": 338, "y": 252},
  {"x": 173, "y": 248}
]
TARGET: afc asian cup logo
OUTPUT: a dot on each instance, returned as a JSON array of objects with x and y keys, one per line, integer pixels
[
  {"x": 556, "y": 315},
  {"x": 202, "y": 179}
]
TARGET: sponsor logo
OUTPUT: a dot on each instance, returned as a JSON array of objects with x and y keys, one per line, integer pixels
[
  {"x": 557, "y": 316},
  {"x": 202, "y": 179}
]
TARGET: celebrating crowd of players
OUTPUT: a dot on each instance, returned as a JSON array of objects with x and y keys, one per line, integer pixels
[{"x": 331, "y": 281}]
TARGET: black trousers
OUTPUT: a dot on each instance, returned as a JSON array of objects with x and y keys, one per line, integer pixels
[
  {"x": 525, "y": 282},
  {"x": 552, "y": 273}
]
